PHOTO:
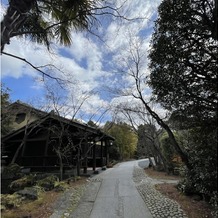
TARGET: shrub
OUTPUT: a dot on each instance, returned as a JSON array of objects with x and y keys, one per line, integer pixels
[
  {"x": 186, "y": 186},
  {"x": 31, "y": 193},
  {"x": 214, "y": 203},
  {"x": 48, "y": 183},
  {"x": 12, "y": 171},
  {"x": 23, "y": 182},
  {"x": 169, "y": 151},
  {"x": 10, "y": 201},
  {"x": 60, "y": 186},
  {"x": 201, "y": 178}
]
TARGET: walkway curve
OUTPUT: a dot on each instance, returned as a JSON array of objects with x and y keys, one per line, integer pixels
[
  {"x": 113, "y": 194},
  {"x": 124, "y": 191}
]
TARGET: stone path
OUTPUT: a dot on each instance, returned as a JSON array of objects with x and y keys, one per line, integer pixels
[
  {"x": 159, "y": 205},
  {"x": 110, "y": 195}
]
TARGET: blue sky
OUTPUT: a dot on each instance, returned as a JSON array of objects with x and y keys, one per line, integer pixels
[{"x": 89, "y": 64}]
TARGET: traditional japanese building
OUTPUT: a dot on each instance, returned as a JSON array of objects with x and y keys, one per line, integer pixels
[{"x": 45, "y": 141}]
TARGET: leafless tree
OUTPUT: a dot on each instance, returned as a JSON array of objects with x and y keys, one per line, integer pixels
[
  {"x": 44, "y": 21},
  {"x": 28, "y": 127},
  {"x": 70, "y": 108},
  {"x": 138, "y": 117},
  {"x": 133, "y": 66}
]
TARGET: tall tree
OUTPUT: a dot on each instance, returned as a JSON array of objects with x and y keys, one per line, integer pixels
[
  {"x": 183, "y": 58},
  {"x": 145, "y": 127},
  {"x": 183, "y": 64},
  {"x": 125, "y": 139},
  {"x": 5, "y": 116},
  {"x": 43, "y": 20},
  {"x": 133, "y": 67}
]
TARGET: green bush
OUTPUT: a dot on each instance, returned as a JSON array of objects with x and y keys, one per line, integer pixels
[
  {"x": 186, "y": 186},
  {"x": 31, "y": 193},
  {"x": 168, "y": 150},
  {"x": 48, "y": 183},
  {"x": 214, "y": 202},
  {"x": 201, "y": 178},
  {"x": 10, "y": 201},
  {"x": 25, "y": 181},
  {"x": 60, "y": 186},
  {"x": 12, "y": 171},
  {"x": 114, "y": 153}
]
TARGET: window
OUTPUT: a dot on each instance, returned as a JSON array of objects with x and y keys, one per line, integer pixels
[{"x": 20, "y": 118}]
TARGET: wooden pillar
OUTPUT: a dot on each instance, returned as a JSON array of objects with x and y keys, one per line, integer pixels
[
  {"x": 106, "y": 152},
  {"x": 94, "y": 157},
  {"x": 85, "y": 158},
  {"x": 102, "y": 160},
  {"x": 78, "y": 163},
  {"x": 85, "y": 165},
  {"x": 48, "y": 135},
  {"x": 46, "y": 148}
]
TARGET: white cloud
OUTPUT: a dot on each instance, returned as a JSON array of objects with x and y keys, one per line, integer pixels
[
  {"x": 141, "y": 10},
  {"x": 88, "y": 61},
  {"x": 136, "y": 109}
]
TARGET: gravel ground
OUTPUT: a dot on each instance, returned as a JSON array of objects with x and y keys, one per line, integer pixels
[
  {"x": 68, "y": 202},
  {"x": 159, "y": 205}
]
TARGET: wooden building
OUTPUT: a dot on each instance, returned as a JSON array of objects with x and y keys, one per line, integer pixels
[{"x": 50, "y": 141}]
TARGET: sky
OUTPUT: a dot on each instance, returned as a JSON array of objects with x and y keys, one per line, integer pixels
[{"x": 93, "y": 66}]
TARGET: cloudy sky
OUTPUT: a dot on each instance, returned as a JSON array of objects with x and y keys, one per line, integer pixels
[{"x": 91, "y": 65}]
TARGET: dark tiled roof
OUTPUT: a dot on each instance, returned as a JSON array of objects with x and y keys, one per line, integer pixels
[{"x": 45, "y": 116}]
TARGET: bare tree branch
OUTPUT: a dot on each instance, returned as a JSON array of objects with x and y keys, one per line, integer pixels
[{"x": 37, "y": 68}]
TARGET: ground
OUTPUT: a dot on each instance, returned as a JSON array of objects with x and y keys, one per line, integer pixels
[
  {"x": 193, "y": 208},
  {"x": 42, "y": 208}
]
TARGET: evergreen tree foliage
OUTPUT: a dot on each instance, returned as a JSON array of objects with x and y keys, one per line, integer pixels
[
  {"x": 202, "y": 179},
  {"x": 183, "y": 64},
  {"x": 143, "y": 145},
  {"x": 167, "y": 149},
  {"x": 43, "y": 20},
  {"x": 92, "y": 124},
  {"x": 183, "y": 58},
  {"x": 125, "y": 140},
  {"x": 5, "y": 116}
]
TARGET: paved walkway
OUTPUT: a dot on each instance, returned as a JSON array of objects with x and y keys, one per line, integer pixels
[
  {"x": 120, "y": 192},
  {"x": 117, "y": 195}
]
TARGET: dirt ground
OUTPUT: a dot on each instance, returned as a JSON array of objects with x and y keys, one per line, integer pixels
[
  {"x": 193, "y": 208},
  {"x": 41, "y": 208}
]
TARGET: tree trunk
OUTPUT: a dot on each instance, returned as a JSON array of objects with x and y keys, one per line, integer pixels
[
  {"x": 151, "y": 162},
  {"x": 156, "y": 149},
  {"x": 60, "y": 165},
  {"x": 17, "y": 152},
  {"x": 165, "y": 165},
  {"x": 61, "y": 169},
  {"x": 162, "y": 159},
  {"x": 15, "y": 16},
  {"x": 182, "y": 154},
  {"x": 155, "y": 159},
  {"x": 20, "y": 147}
]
